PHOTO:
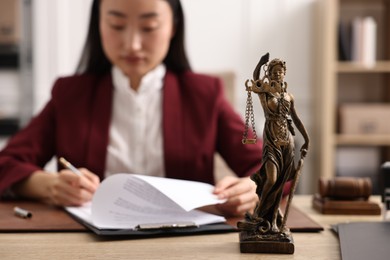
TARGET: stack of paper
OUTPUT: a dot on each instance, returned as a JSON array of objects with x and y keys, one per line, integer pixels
[{"x": 127, "y": 201}]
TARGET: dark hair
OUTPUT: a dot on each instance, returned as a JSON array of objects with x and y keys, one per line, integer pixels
[{"x": 93, "y": 60}]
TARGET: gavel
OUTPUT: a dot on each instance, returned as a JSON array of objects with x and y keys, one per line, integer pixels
[{"x": 345, "y": 188}]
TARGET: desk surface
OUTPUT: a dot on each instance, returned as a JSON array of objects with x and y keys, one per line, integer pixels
[{"x": 82, "y": 245}]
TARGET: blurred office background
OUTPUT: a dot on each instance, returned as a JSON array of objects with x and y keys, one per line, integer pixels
[{"x": 222, "y": 36}]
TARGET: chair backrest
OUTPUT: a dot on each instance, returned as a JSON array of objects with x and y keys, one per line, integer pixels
[{"x": 229, "y": 80}]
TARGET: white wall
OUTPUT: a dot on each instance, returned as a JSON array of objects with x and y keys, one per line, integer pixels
[
  {"x": 233, "y": 34},
  {"x": 221, "y": 35}
]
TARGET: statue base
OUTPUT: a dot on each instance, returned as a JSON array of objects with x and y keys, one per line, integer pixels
[{"x": 279, "y": 243}]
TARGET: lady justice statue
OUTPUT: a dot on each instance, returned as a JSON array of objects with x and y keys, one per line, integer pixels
[{"x": 265, "y": 230}]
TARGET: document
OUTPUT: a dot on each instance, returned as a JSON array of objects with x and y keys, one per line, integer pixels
[{"x": 130, "y": 201}]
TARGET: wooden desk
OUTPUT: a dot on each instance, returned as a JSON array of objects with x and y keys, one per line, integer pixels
[{"x": 82, "y": 245}]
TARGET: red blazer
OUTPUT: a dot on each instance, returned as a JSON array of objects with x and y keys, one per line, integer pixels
[{"x": 197, "y": 122}]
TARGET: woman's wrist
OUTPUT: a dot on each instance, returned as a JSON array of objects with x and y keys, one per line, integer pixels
[{"x": 36, "y": 186}]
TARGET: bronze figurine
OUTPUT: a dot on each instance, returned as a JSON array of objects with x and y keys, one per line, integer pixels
[{"x": 265, "y": 230}]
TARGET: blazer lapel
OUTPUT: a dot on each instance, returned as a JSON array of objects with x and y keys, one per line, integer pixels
[
  {"x": 100, "y": 124},
  {"x": 173, "y": 132}
]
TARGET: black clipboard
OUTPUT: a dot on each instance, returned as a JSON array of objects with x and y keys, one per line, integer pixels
[
  {"x": 364, "y": 240},
  {"x": 160, "y": 232}
]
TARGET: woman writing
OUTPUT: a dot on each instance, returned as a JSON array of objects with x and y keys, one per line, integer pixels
[{"x": 134, "y": 106}]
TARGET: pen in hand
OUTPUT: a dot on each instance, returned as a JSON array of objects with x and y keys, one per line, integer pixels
[
  {"x": 82, "y": 189},
  {"x": 69, "y": 166}
]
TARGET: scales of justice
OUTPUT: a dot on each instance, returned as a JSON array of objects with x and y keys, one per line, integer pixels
[{"x": 264, "y": 230}]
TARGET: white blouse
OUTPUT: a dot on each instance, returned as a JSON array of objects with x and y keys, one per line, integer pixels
[{"x": 135, "y": 139}]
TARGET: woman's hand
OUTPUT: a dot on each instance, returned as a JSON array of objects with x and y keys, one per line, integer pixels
[
  {"x": 240, "y": 194},
  {"x": 69, "y": 189},
  {"x": 62, "y": 189}
]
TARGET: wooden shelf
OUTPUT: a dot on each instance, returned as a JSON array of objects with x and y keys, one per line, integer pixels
[
  {"x": 363, "y": 140},
  {"x": 339, "y": 78},
  {"x": 351, "y": 67}
]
